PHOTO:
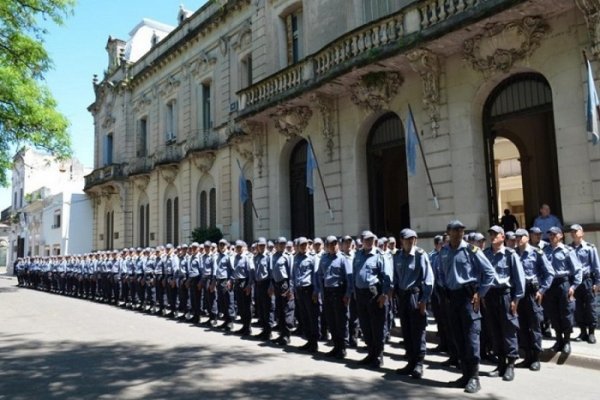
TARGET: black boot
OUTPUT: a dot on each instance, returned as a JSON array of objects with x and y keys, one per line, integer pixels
[
  {"x": 509, "y": 373},
  {"x": 473, "y": 385},
  {"x": 535, "y": 361},
  {"x": 583, "y": 336},
  {"x": 591, "y": 337}
]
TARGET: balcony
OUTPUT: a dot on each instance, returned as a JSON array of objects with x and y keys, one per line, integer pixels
[
  {"x": 140, "y": 166},
  {"x": 170, "y": 154},
  {"x": 106, "y": 174},
  {"x": 6, "y": 215},
  {"x": 419, "y": 21},
  {"x": 201, "y": 140}
]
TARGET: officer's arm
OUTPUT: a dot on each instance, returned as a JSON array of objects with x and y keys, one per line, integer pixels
[
  {"x": 428, "y": 279},
  {"x": 517, "y": 278},
  {"x": 486, "y": 272},
  {"x": 576, "y": 269},
  {"x": 594, "y": 265},
  {"x": 251, "y": 270},
  {"x": 547, "y": 271},
  {"x": 349, "y": 276},
  {"x": 387, "y": 275},
  {"x": 318, "y": 278}
]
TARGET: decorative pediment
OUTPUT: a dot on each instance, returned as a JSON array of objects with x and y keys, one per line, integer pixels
[
  {"x": 141, "y": 181},
  {"x": 502, "y": 44},
  {"x": 591, "y": 13},
  {"x": 426, "y": 64},
  {"x": 375, "y": 90},
  {"x": 142, "y": 102},
  {"x": 204, "y": 160},
  {"x": 326, "y": 107},
  {"x": 108, "y": 121},
  {"x": 169, "y": 86},
  {"x": 243, "y": 38},
  {"x": 291, "y": 120},
  {"x": 169, "y": 172},
  {"x": 201, "y": 64}
]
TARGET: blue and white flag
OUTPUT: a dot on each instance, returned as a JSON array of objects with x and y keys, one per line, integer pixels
[
  {"x": 243, "y": 185},
  {"x": 311, "y": 165},
  {"x": 411, "y": 143},
  {"x": 593, "y": 108}
]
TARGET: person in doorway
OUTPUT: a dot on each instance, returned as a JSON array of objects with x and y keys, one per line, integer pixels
[
  {"x": 546, "y": 220},
  {"x": 509, "y": 222}
]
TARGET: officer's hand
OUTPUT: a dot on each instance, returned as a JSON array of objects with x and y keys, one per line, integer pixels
[
  {"x": 247, "y": 290},
  {"x": 571, "y": 294},
  {"x": 290, "y": 295},
  {"x": 476, "y": 302},
  {"x": 212, "y": 287},
  {"x": 513, "y": 307},
  {"x": 228, "y": 285},
  {"x": 346, "y": 300},
  {"x": 271, "y": 292},
  {"x": 315, "y": 298},
  {"x": 381, "y": 300},
  {"x": 539, "y": 297},
  {"x": 595, "y": 288},
  {"x": 422, "y": 307}
]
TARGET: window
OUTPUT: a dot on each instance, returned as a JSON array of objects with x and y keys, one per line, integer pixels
[
  {"x": 206, "y": 114},
  {"x": 248, "y": 216},
  {"x": 109, "y": 229},
  {"x": 169, "y": 221},
  {"x": 203, "y": 210},
  {"x": 375, "y": 9},
  {"x": 246, "y": 72},
  {"x": 147, "y": 238},
  {"x": 56, "y": 220},
  {"x": 293, "y": 29},
  {"x": 15, "y": 200},
  {"x": 142, "y": 142},
  {"x": 172, "y": 221},
  {"x": 176, "y": 221},
  {"x": 170, "y": 121},
  {"x": 213, "y": 207},
  {"x": 21, "y": 197},
  {"x": 108, "y": 149}
]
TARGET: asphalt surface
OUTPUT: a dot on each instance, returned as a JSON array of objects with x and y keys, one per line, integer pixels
[{"x": 56, "y": 347}]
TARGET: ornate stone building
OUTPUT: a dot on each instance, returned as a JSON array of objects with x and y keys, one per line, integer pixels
[{"x": 497, "y": 88}]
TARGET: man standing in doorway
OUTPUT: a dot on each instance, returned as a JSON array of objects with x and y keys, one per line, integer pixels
[{"x": 546, "y": 220}]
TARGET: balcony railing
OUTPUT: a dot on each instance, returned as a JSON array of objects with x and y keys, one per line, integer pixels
[
  {"x": 170, "y": 154},
  {"x": 140, "y": 165},
  {"x": 102, "y": 175},
  {"x": 202, "y": 139},
  {"x": 364, "y": 42}
]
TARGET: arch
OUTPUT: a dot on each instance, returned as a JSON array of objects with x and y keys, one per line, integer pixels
[
  {"x": 205, "y": 184},
  {"x": 171, "y": 202},
  {"x": 520, "y": 109},
  {"x": 302, "y": 219},
  {"x": 389, "y": 210},
  {"x": 143, "y": 220}
]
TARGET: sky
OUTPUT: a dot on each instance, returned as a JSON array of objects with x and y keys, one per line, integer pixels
[{"x": 77, "y": 49}]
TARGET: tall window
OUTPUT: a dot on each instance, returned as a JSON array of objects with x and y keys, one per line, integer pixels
[
  {"x": 248, "y": 216},
  {"x": 172, "y": 221},
  {"x": 108, "y": 149},
  {"x": 206, "y": 114},
  {"x": 203, "y": 210},
  {"x": 171, "y": 121},
  {"x": 375, "y": 9},
  {"x": 176, "y": 221},
  {"x": 109, "y": 230},
  {"x": 142, "y": 142},
  {"x": 246, "y": 72},
  {"x": 144, "y": 225},
  {"x": 294, "y": 33},
  {"x": 56, "y": 220},
  {"x": 213, "y": 207},
  {"x": 169, "y": 221}
]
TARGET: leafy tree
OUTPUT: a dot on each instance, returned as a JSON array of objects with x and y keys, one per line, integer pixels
[
  {"x": 28, "y": 114},
  {"x": 213, "y": 234}
]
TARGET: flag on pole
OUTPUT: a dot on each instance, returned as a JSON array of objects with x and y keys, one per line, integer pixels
[
  {"x": 593, "y": 107},
  {"x": 411, "y": 143},
  {"x": 311, "y": 165},
  {"x": 243, "y": 186}
]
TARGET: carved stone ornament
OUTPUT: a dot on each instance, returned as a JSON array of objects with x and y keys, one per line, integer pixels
[
  {"x": 223, "y": 45},
  {"x": 291, "y": 121},
  {"x": 256, "y": 130},
  {"x": 591, "y": 13},
  {"x": 201, "y": 64},
  {"x": 326, "y": 107},
  {"x": 108, "y": 121},
  {"x": 204, "y": 160},
  {"x": 243, "y": 145},
  {"x": 169, "y": 86},
  {"x": 141, "y": 102},
  {"x": 502, "y": 44},
  {"x": 375, "y": 90},
  {"x": 169, "y": 172},
  {"x": 141, "y": 181},
  {"x": 427, "y": 65}
]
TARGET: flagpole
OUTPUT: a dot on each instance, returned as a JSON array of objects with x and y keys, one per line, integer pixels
[
  {"x": 312, "y": 148},
  {"x": 249, "y": 197},
  {"x": 436, "y": 203}
]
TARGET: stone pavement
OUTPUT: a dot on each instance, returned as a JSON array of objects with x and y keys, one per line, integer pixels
[{"x": 55, "y": 347}]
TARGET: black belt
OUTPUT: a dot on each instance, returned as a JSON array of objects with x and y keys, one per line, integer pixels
[
  {"x": 306, "y": 288},
  {"x": 531, "y": 285},
  {"x": 409, "y": 291},
  {"x": 335, "y": 289},
  {"x": 559, "y": 280},
  {"x": 499, "y": 291},
  {"x": 586, "y": 275}
]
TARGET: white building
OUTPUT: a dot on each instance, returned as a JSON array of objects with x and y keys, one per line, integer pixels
[{"x": 50, "y": 214}]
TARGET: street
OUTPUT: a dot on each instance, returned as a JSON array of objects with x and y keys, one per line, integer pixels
[{"x": 59, "y": 347}]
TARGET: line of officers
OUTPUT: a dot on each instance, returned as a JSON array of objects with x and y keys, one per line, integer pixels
[{"x": 350, "y": 287}]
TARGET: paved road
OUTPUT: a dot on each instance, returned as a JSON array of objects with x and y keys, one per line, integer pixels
[{"x": 55, "y": 347}]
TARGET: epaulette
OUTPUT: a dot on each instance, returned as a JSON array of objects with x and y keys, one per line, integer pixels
[
  {"x": 420, "y": 251},
  {"x": 510, "y": 250},
  {"x": 539, "y": 251},
  {"x": 474, "y": 248}
]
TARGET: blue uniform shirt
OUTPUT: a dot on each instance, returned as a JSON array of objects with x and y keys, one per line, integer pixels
[
  {"x": 413, "y": 269},
  {"x": 334, "y": 271},
  {"x": 303, "y": 271},
  {"x": 536, "y": 267},
  {"x": 281, "y": 267},
  {"x": 139, "y": 265},
  {"x": 370, "y": 269},
  {"x": 262, "y": 267},
  {"x": 588, "y": 256},
  {"x": 208, "y": 266},
  {"x": 243, "y": 268},
  {"x": 509, "y": 271},
  {"x": 172, "y": 265},
  {"x": 565, "y": 263},
  {"x": 149, "y": 265},
  {"x": 195, "y": 266},
  {"x": 465, "y": 265},
  {"x": 224, "y": 267},
  {"x": 159, "y": 266},
  {"x": 183, "y": 266}
]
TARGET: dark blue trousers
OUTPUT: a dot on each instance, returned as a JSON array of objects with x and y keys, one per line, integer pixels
[
  {"x": 336, "y": 314},
  {"x": 372, "y": 319},
  {"x": 413, "y": 325},
  {"x": 531, "y": 315}
]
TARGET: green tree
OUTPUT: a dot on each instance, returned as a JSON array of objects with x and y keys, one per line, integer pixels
[{"x": 28, "y": 114}]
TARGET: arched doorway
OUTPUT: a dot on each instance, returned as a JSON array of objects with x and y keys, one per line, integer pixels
[
  {"x": 388, "y": 182},
  {"x": 301, "y": 201},
  {"x": 519, "y": 110}
]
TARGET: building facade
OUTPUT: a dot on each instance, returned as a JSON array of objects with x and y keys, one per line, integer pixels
[
  {"x": 240, "y": 89},
  {"x": 50, "y": 214}
]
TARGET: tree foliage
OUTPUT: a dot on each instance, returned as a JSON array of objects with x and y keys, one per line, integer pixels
[{"x": 28, "y": 111}]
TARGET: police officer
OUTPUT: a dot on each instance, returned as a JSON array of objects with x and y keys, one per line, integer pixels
[
  {"x": 560, "y": 298},
  {"x": 413, "y": 285},
  {"x": 262, "y": 282},
  {"x": 467, "y": 275},
  {"x": 223, "y": 285},
  {"x": 502, "y": 300},
  {"x": 194, "y": 271},
  {"x": 585, "y": 314},
  {"x": 347, "y": 249},
  {"x": 538, "y": 278},
  {"x": 303, "y": 289},
  {"x": 171, "y": 274},
  {"x": 281, "y": 289},
  {"x": 439, "y": 299},
  {"x": 209, "y": 296},
  {"x": 183, "y": 285},
  {"x": 160, "y": 284},
  {"x": 243, "y": 282},
  {"x": 149, "y": 279},
  {"x": 372, "y": 287},
  {"x": 139, "y": 260},
  {"x": 334, "y": 286}
]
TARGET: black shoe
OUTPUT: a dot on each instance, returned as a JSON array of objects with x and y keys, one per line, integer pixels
[
  {"x": 591, "y": 339},
  {"x": 281, "y": 341},
  {"x": 406, "y": 370},
  {"x": 535, "y": 366},
  {"x": 366, "y": 361},
  {"x": 526, "y": 363},
  {"x": 331, "y": 353},
  {"x": 264, "y": 335},
  {"x": 566, "y": 348},
  {"x": 417, "y": 373},
  {"x": 509, "y": 374},
  {"x": 341, "y": 354},
  {"x": 243, "y": 331},
  {"x": 352, "y": 344},
  {"x": 313, "y": 348},
  {"x": 376, "y": 363},
  {"x": 440, "y": 349},
  {"x": 473, "y": 386},
  {"x": 556, "y": 347},
  {"x": 305, "y": 346},
  {"x": 459, "y": 383}
]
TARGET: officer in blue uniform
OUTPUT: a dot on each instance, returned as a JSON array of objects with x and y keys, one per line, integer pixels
[
  {"x": 139, "y": 260},
  {"x": 194, "y": 271},
  {"x": 209, "y": 296},
  {"x": 467, "y": 275},
  {"x": 160, "y": 279},
  {"x": 262, "y": 282},
  {"x": 243, "y": 282},
  {"x": 303, "y": 289},
  {"x": 413, "y": 285},
  {"x": 334, "y": 285},
  {"x": 585, "y": 314},
  {"x": 183, "y": 285},
  {"x": 280, "y": 289},
  {"x": 372, "y": 287},
  {"x": 223, "y": 284},
  {"x": 538, "y": 278},
  {"x": 171, "y": 273},
  {"x": 149, "y": 279},
  {"x": 502, "y": 300},
  {"x": 560, "y": 298}
]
